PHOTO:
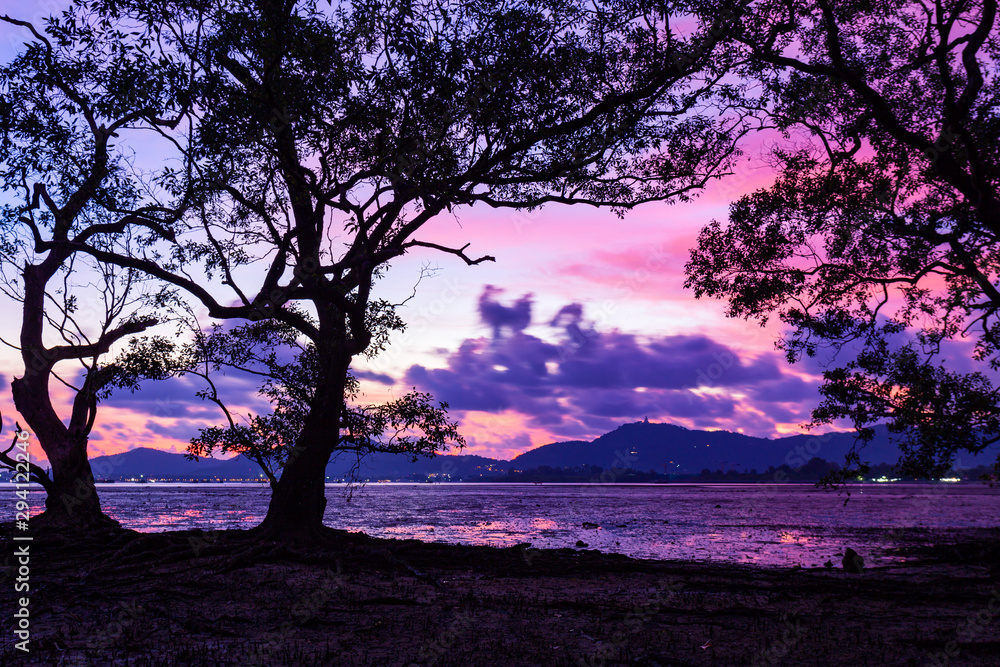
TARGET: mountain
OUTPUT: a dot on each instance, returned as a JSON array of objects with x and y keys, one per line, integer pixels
[
  {"x": 144, "y": 462},
  {"x": 155, "y": 463},
  {"x": 675, "y": 449},
  {"x": 642, "y": 446}
]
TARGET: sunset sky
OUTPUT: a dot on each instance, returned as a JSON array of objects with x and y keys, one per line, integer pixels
[{"x": 581, "y": 324}]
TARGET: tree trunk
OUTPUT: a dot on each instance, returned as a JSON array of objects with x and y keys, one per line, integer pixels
[
  {"x": 295, "y": 513},
  {"x": 71, "y": 501},
  {"x": 298, "y": 501}
]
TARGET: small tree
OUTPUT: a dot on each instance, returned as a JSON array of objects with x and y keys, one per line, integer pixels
[
  {"x": 881, "y": 234},
  {"x": 290, "y": 372},
  {"x": 63, "y": 102}
]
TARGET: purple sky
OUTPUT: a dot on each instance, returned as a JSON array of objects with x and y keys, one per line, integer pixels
[{"x": 581, "y": 324}]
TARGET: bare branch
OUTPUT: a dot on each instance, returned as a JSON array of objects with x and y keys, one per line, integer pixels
[{"x": 460, "y": 252}]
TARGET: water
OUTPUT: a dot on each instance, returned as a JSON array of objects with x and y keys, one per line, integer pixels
[{"x": 784, "y": 524}]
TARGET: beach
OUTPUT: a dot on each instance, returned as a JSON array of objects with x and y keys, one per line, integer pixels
[{"x": 218, "y": 598}]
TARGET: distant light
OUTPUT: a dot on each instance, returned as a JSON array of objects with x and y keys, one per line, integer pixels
[{"x": 498, "y": 367}]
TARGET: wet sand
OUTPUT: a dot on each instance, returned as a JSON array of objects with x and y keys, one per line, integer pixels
[{"x": 195, "y": 598}]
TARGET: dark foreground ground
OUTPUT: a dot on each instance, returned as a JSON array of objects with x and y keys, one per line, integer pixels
[{"x": 194, "y": 598}]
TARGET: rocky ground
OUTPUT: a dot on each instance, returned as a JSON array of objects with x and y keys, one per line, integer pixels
[{"x": 193, "y": 598}]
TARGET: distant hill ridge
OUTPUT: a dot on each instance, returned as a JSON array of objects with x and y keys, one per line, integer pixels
[
  {"x": 675, "y": 449},
  {"x": 642, "y": 446}
]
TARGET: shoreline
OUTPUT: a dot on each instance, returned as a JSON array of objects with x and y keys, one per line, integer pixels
[
  {"x": 214, "y": 598},
  {"x": 336, "y": 484},
  {"x": 806, "y": 528}
]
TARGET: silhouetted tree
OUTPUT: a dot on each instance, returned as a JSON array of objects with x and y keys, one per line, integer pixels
[
  {"x": 880, "y": 239},
  {"x": 71, "y": 92},
  {"x": 290, "y": 376},
  {"x": 328, "y": 138}
]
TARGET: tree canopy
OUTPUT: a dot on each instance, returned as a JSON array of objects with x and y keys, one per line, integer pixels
[
  {"x": 77, "y": 88},
  {"x": 880, "y": 238},
  {"x": 325, "y": 139}
]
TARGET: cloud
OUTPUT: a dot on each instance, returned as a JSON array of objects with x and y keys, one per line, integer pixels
[
  {"x": 788, "y": 389},
  {"x": 580, "y": 382},
  {"x": 182, "y": 429},
  {"x": 176, "y": 397},
  {"x": 498, "y": 316},
  {"x": 373, "y": 376},
  {"x": 492, "y": 447}
]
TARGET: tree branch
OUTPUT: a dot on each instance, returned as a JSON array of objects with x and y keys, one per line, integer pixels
[{"x": 460, "y": 252}]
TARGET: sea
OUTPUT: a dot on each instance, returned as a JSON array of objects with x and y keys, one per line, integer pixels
[{"x": 784, "y": 524}]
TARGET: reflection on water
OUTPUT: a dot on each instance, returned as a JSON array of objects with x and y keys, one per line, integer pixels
[{"x": 783, "y": 524}]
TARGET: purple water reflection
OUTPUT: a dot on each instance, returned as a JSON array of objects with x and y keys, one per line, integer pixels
[{"x": 783, "y": 524}]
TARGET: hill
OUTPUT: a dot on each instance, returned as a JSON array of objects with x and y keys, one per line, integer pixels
[
  {"x": 675, "y": 449},
  {"x": 144, "y": 462},
  {"x": 642, "y": 446}
]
